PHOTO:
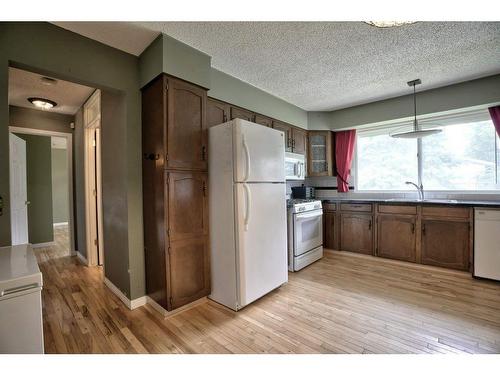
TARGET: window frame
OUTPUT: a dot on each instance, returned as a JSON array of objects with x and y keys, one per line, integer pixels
[{"x": 428, "y": 119}]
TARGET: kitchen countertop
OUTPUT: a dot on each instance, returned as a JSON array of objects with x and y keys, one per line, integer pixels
[{"x": 455, "y": 202}]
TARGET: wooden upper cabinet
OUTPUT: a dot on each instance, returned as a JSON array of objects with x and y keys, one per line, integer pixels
[
  {"x": 187, "y": 204},
  {"x": 263, "y": 120},
  {"x": 356, "y": 233},
  {"x": 189, "y": 276},
  {"x": 217, "y": 112},
  {"x": 287, "y": 129},
  {"x": 446, "y": 243},
  {"x": 396, "y": 237},
  {"x": 186, "y": 126},
  {"x": 319, "y": 153},
  {"x": 299, "y": 141},
  {"x": 241, "y": 113}
]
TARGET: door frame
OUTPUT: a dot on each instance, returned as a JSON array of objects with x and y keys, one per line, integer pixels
[
  {"x": 92, "y": 170},
  {"x": 69, "y": 163}
]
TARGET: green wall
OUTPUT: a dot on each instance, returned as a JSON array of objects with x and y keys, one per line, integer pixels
[
  {"x": 48, "y": 49},
  {"x": 232, "y": 90},
  {"x": 167, "y": 55},
  {"x": 60, "y": 202},
  {"x": 39, "y": 184},
  {"x": 452, "y": 98}
]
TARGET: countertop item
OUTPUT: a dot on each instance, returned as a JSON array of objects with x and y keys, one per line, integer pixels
[
  {"x": 21, "y": 326},
  {"x": 457, "y": 202}
]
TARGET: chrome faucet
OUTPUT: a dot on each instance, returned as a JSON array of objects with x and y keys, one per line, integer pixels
[{"x": 420, "y": 189}]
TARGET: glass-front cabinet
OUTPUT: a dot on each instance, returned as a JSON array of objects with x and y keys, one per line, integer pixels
[{"x": 320, "y": 153}]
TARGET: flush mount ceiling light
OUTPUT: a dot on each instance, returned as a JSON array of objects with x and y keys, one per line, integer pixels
[
  {"x": 385, "y": 24},
  {"x": 42, "y": 103},
  {"x": 47, "y": 81},
  {"x": 417, "y": 132}
]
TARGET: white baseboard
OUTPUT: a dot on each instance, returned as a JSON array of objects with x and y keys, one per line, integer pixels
[
  {"x": 62, "y": 224},
  {"x": 43, "y": 244},
  {"x": 135, "y": 303},
  {"x": 81, "y": 258},
  {"x": 151, "y": 302}
]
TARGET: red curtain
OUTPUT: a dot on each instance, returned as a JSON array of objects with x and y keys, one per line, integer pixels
[
  {"x": 495, "y": 117},
  {"x": 344, "y": 149}
]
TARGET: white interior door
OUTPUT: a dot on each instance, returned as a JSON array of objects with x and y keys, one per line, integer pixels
[
  {"x": 18, "y": 190},
  {"x": 262, "y": 245},
  {"x": 260, "y": 153}
]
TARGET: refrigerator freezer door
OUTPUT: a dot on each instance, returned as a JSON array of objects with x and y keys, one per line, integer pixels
[
  {"x": 261, "y": 236},
  {"x": 259, "y": 153}
]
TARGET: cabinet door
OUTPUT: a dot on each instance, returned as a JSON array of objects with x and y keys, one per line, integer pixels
[
  {"x": 189, "y": 271},
  {"x": 446, "y": 243},
  {"x": 241, "y": 113},
  {"x": 187, "y": 205},
  {"x": 319, "y": 155},
  {"x": 356, "y": 233},
  {"x": 217, "y": 112},
  {"x": 287, "y": 129},
  {"x": 330, "y": 230},
  {"x": 186, "y": 129},
  {"x": 396, "y": 237},
  {"x": 299, "y": 141},
  {"x": 263, "y": 120}
]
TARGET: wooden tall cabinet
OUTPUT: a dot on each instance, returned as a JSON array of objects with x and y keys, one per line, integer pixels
[{"x": 174, "y": 143}]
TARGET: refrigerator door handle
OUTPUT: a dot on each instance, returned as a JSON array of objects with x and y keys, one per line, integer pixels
[
  {"x": 247, "y": 159},
  {"x": 247, "y": 206}
]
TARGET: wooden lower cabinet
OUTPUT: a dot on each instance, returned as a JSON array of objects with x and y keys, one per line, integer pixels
[
  {"x": 396, "y": 237},
  {"x": 446, "y": 243},
  {"x": 330, "y": 236},
  {"x": 356, "y": 233},
  {"x": 189, "y": 275}
]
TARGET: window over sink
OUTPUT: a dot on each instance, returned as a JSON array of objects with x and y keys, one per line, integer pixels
[{"x": 465, "y": 156}]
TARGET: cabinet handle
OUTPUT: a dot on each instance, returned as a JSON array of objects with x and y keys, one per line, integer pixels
[
  {"x": 370, "y": 225},
  {"x": 204, "y": 153},
  {"x": 423, "y": 229},
  {"x": 204, "y": 189},
  {"x": 224, "y": 118},
  {"x": 151, "y": 156},
  {"x": 413, "y": 228}
]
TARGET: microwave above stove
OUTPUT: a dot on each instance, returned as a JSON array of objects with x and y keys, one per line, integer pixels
[{"x": 295, "y": 166}]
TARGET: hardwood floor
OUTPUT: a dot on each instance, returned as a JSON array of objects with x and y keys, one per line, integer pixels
[{"x": 341, "y": 304}]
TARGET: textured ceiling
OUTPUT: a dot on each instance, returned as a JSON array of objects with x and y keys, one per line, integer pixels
[
  {"x": 321, "y": 66},
  {"x": 68, "y": 96}
]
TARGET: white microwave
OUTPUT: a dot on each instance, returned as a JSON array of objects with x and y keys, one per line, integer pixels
[{"x": 295, "y": 166}]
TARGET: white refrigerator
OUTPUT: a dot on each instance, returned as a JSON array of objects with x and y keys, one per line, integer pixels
[{"x": 247, "y": 205}]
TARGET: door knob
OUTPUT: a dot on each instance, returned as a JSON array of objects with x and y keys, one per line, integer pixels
[{"x": 27, "y": 202}]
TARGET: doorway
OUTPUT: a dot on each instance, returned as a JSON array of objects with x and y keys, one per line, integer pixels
[{"x": 41, "y": 182}]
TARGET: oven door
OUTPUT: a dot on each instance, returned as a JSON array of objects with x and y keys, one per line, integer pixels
[{"x": 307, "y": 231}]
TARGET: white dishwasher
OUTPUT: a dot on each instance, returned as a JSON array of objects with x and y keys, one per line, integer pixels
[
  {"x": 21, "y": 326},
  {"x": 487, "y": 243}
]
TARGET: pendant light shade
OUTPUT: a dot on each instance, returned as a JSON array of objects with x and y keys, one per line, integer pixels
[{"x": 417, "y": 132}]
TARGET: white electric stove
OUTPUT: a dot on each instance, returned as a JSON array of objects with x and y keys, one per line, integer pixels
[{"x": 305, "y": 232}]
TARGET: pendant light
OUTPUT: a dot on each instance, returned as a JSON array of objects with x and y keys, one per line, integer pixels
[{"x": 416, "y": 132}]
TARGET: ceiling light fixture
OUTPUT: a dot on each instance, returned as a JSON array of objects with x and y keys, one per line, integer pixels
[
  {"x": 42, "y": 103},
  {"x": 47, "y": 81},
  {"x": 417, "y": 132},
  {"x": 386, "y": 24}
]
